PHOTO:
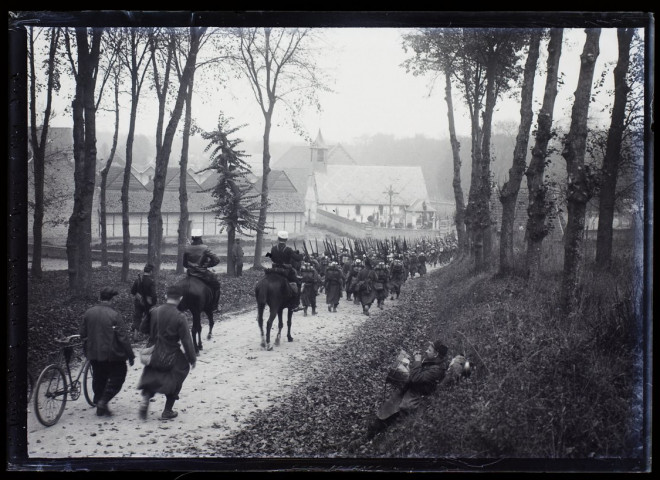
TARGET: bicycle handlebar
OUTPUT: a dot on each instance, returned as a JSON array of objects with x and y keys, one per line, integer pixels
[{"x": 65, "y": 340}]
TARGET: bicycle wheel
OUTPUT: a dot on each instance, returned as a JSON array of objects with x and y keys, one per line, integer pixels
[
  {"x": 50, "y": 395},
  {"x": 88, "y": 376}
]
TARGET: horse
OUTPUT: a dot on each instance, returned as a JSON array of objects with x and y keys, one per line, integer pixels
[
  {"x": 197, "y": 298},
  {"x": 273, "y": 290}
]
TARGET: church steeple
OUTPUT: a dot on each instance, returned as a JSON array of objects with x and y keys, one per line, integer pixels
[{"x": 319, "y": 154}]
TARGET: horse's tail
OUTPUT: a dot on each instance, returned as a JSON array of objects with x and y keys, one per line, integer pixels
[
  {"x": 184, "y": 284},
  {"x": 260, "y": 291}
]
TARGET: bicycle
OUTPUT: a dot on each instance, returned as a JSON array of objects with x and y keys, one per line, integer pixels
[{"x": 56, "y": 383}]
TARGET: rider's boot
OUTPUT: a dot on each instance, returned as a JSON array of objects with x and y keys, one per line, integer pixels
[
  {"x": 305, "y": 312},
  {"x": 329, "y": 308},
  {"x": 313, "y": 310},
  {"x": 334, "y": 308}
]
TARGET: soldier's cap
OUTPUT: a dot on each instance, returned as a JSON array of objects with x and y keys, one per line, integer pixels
[
  {"x": 439, "y": 347},
  {"x": 174, "y": 291},
  {"x": 196, "y": 232},
  {"x": 282, "y": 235},
  {"x": 148, "y": 268},
  {"x": 107, "y": 293}
]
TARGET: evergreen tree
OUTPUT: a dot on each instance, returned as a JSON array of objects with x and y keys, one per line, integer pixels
[{"x": 236, "y": 205}]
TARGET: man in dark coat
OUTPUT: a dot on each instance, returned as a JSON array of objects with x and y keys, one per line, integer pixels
[
  {"x": 197, "y": 259},
  {"x": 425, "y": 374},
  {"x": 397, "y": 276},
  {"x": 106, "y": 346},
  {"x": 168, "y": 331},
  {"x": 237, "y": 252},
  {"x": 380, "y": 283},
  {"x": 366, "y": 292},
  {"x": 421, "y": 378},
  {"x": 334, "y": 284},
  {"x": 283, "y": 257},
  {"x": 144, "y": 295},
  {"x": 310, "y": 283},
  {"x": 351, "y": 280}
]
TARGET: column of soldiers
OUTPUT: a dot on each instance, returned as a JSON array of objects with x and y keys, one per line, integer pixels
[{"x": 367, "y": 275}]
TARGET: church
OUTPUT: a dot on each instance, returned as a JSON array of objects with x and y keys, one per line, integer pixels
[{"x": 380, "y": 196}]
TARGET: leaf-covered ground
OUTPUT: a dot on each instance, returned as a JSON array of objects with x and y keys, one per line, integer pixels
[
  {"x": 544, "y": 386},
  {"x": 328, "y": 416}
]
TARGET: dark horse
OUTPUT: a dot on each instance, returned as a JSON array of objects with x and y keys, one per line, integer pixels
[
  {"x": 197, "y": 298},
  {"x": 273, "y": 290}
]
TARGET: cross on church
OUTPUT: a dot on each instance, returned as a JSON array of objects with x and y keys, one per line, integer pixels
[{"x": 390, "y": 191}]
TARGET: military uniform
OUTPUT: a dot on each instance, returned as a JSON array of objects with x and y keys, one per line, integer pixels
[{"x": 197, "y": 259}]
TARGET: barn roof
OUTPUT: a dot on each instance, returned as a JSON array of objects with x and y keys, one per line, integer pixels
[
  {"x": 299, "y": 156},
  {"x": 140, "y": 201}
]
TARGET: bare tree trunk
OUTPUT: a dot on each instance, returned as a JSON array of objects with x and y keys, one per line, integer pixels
[
  {"x": 537, "y": 229},
  {"x": 125, "y": 218},
  {"x": 79, "y": 251},
  {"x": 258, "y": 247},
  {"x": 509, "y": 193},
  {"x": 456, "y": 155},
  {"x": 183, "y": 189},
  {"x": 484, "y": 231},
  {"x": 579, "y": 187},
  {"x": 104, "y": 180},
  {"x": 475, "y": 240},
  {"x": 155, "y": 219},
  {"x": 39, "y": 148},
  {"x": 613, "y": 153}
]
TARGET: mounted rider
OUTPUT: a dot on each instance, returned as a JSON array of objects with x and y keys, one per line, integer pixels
[
  {"x": 197, "y": 259},
  {"x": 283, "y": 258}
]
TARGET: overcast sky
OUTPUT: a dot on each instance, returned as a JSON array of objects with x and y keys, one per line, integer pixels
[{"x": 372, "y": 93}]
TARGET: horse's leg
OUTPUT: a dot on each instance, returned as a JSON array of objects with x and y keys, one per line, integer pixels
[
  {"x": 280, "y": 324},
  {"x": 288, "y": 325},
  {"x": 209, "y": 315},
  {"x": 196, "y": 328},
  {"x": 260, "y": 321},
  {"x": 271, "y": 316}
]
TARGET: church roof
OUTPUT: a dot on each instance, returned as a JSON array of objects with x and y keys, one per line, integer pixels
[
  {"x": 299, "y": 156},
  {"x": 319, "y": 142},
  {"x": 367, "y": 185}
]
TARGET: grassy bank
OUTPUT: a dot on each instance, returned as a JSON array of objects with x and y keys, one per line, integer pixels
[{"x": 544, "y": 386}]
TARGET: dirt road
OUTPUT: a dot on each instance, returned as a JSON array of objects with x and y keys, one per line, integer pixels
[{"x": 234, "y": 377}]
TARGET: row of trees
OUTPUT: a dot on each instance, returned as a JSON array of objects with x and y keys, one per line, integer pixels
[
  {"x": 485, "y": 64},
  {"x": 276, "y": 63}
]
